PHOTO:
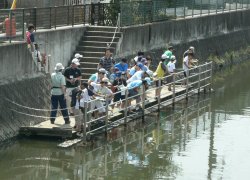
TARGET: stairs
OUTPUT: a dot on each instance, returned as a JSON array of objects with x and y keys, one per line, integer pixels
[{"x": 92, "y": 47}]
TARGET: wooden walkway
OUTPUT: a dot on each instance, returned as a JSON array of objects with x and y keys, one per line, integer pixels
[{"x": 59, "y": 129}]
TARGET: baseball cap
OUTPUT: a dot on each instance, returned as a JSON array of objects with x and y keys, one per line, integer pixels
[
  {"x": 75, "y": 61},
  {"x": 102, "y": 70},
  {"x": 172, "y": 58},
  {"x": 164, "y": 56},
  {"x": 105, "y": 80},
  {"x": 77, "y": 55}
]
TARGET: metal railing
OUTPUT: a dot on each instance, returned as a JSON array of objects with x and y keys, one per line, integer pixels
[
  {"x": 182, "y": 87},
  {"x": 141, "y": 12},
  {"x": 102, "y": 14}
]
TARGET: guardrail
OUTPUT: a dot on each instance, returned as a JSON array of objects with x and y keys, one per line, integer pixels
[
  {"x": 101, "y": 14},
  {"x": 199, "y": 78}
]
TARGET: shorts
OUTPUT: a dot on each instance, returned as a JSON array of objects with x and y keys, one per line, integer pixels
[
  {"x": 159, "y": 84},
  {"x": 169, "y": 79},
  {"x": 118, "y": 97},
  {"x": 133, "y": 93}
]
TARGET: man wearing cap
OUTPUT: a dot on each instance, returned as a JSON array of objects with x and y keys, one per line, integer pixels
[
  {"x": 171, "y": 70},
  {"x": 58, "y": 92},
  {"x": 169, "y": 53},
  {"x": 160, "y": 73},
  {"x": 139, "y": 73},
  {"x": 97, "y": 77},
  {"x": 122, "y": 66},
  {"x": 107, "y": 62},
  {"x": 73, "y": 78},
  {"x": 134, "y": 88},
  {"x": 101, "y": 92}
]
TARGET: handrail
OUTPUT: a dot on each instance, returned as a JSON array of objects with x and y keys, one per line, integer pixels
[{"x": 117, "y": 27}]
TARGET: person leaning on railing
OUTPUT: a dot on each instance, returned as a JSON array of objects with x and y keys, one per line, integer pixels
[
  {"x": 171, "y": 70},
  {"x": 30, "y": 38},
  {"x": 159, "y": 74},
  {"x": 187, "y": 64}
]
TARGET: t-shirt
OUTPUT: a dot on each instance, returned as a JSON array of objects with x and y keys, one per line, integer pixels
[
  {"x": 137, "y": 76},
  {"x": 134, "y": 84},
  {"x": 84, "y": 98},
  {"x": 71, "y": 73},
  {"x": 103, "y": 90},
  {"x": 30, "y": 38},
  {"x": 168, "y": 54},
  {"x": 122, "y": 67},
  {"x": 171, "y": 67},
  {"x": 132, "y": 71},
  {"x": 58, "y": 80},
  {"x": 185, "y": 61},
  {"x": 107, "y": 63}
]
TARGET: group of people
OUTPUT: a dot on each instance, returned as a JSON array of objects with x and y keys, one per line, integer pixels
[{"x": 109, "y": 84}]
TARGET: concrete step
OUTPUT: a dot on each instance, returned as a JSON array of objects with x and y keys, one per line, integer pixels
[
  {"x": 91, "y": 54},
  {"x": 100, "y": 38},
  {"x": 101, "y": 28},
  {"x": 89, "y": 64},
  {"x": 97, "y": 43},
  {"x": 86, "y": 75},
  {"x": 91, "y": 59},
  {"x": 93, "y": 48},
  {"x": 88, "y": 70},
  {"x": 101, "y": 33}
]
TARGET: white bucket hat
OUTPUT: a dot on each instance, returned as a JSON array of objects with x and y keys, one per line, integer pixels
[
  {"x": 75, "y": 61},
  {"x": 77, "y": 55},
  {"x": 59, "y": 66}
]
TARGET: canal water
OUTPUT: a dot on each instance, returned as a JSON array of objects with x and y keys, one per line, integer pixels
[{"x": 206, "y": 138}]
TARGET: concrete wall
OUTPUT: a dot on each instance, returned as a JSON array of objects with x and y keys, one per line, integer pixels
[
  {"x": 59, "y": 43},
  {"x": 16, "y": 62},
  {"x": 185, "y": 31}
]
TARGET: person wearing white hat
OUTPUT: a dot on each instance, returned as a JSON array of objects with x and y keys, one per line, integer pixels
[
  {"x": 58, "y": 92},
  {"x": 73, "y": 78},
  {"x": 78, "y": 56}
]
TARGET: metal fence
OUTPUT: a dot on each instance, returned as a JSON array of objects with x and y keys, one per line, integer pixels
[
  {"x": 53, "y": 17},
  {"x": 199, "y": 78},
  {"x": 141, "y": 12}
]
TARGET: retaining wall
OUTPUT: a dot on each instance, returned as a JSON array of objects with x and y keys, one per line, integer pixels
[{"x": 209, "y": 34}]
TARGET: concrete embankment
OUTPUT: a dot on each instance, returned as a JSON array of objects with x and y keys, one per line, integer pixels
[
  {"x": 213, "y": 34},
  {"x": 21, "y": 83}
]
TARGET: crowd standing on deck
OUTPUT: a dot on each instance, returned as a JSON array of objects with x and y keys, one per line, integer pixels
[{"x": 109, "y": 83}]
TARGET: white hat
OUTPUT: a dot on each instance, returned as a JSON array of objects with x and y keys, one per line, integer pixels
[
  {"x": 164, "y": 56},
  {"x": 75, "y": 61},
  {"x": 172, "y": 57},
  {"x": 102, "y": 70},
  {"x": 136, "y": 58},
  {"x": 106, "y": 80},
  {"x": 59, "y": 66},
  {"x": 77, "y": 55}
]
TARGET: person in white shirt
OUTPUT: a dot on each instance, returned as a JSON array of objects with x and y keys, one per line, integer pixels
[
  {"x": 101, "y": 93},
  {"x": 138, "y": 75},
  {"x": 186, "y": 64},
  {"x": 171, "y": 70}
]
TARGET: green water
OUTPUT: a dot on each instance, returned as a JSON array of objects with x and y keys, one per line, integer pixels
[{"x": 206, "y": 138}]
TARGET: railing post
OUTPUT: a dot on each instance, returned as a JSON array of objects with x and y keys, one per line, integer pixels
[
  {"x": 209, "y": 6},
  {"x": 35, "y": 24},
  {"x": 236, "y": 5},
  {"x": 201, "y": 8},
  {"x": 184, "y": 10},
  {"x": 10, "y": 30},
  {"x": 68, "y": 16},
  {"x": 193, "y": 8},
  {"x": 175, "y": 15},
  {"x": 107, "y": 114},
  {"x": 173, "y": 95},
  {"x": 24, "y": 27},
  {"x": 126, "y": 107},
  {"x": 159, "y": 95},
  {"x": 85, "y": 119},
  {"x": 73, "y": 15},
  {"x": 50, "y": 14},
  {"x": 216, "y": 7},
  {"x": 199, "y": 82},
  {"x": 211, "y": 74},
  {"x": 55, "y": 17}
]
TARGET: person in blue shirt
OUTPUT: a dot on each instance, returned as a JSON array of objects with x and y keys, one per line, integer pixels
[
  {"x": 122, "y": 66},
  {"x": 134, "y": 87}
]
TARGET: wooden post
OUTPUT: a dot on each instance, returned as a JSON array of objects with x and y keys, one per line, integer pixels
[
  {"x": 126, "y": 108},
  {"x": 173, "y": 95}
]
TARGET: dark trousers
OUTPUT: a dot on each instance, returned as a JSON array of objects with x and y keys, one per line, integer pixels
[{"x": 55, "y": 99}]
